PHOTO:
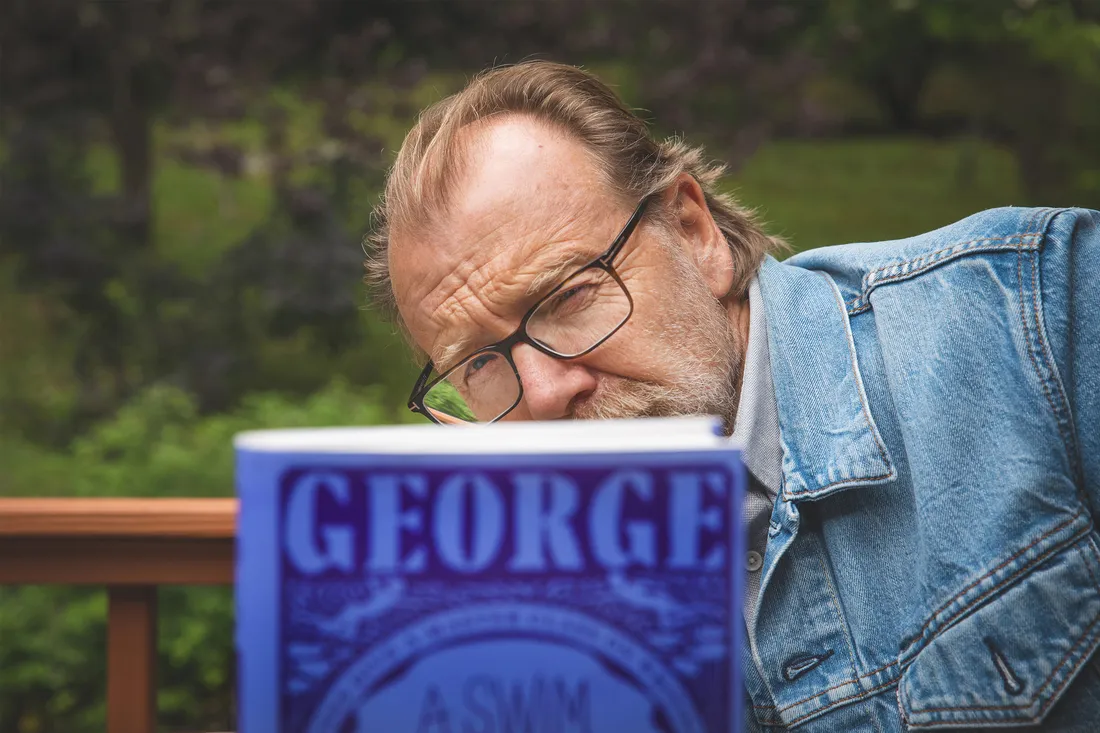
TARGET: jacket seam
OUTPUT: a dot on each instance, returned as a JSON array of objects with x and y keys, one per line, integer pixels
[
  {"x": 871, "y": 280},
  {"x": 839, "y": 611},
  {"x": 874, "y": 278},
  {"x": 1006, "y": 581},
  {"x": 1067, "y": 440},
  {"x": 862, "y": 406},
  {"x": 1064, "y": 417},
  {"x": 853, "y": 681},
  {"x": 1073, "y": 648},
  {"x": 854, "y": 696},
  {"x": 834, "y": 484},
  {"x": 1027, "y": 343}
]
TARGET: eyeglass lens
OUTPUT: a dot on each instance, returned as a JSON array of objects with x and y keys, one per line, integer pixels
[{"x": 579, "y": 314}]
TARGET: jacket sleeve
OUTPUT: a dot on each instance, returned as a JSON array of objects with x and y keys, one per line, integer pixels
[{"x": 1069, "y": 289}]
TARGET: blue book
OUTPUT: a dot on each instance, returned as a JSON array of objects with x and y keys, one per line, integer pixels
[{"x": 567, "y": 577}]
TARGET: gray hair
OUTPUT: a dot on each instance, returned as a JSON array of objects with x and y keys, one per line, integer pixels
[{"x": 429, "y": 165}]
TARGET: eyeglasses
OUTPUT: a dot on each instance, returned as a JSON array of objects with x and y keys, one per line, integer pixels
[{"x": 582, "y": 312}]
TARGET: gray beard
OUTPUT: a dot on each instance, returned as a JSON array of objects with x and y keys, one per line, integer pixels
[
  {"x": 714, "y": 389},
  {"x": 703, "y": 345}
]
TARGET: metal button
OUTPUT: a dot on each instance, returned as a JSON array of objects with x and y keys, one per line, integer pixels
[{"x": 754, "y": 561}]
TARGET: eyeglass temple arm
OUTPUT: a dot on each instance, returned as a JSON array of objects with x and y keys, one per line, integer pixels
[
  {"x": 628, "y": 229},
  {"x": 419, "y": 386}
]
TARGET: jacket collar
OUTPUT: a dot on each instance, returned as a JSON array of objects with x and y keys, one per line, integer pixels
[{"x": 830, "y": 441}]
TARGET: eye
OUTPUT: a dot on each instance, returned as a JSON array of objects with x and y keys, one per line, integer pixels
[
  {"x": 478, "y": 363},
  {"x": 571, "y": 297},
  {"x": 562, "y": 297}
]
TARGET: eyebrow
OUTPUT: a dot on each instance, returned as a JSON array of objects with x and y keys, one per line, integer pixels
[
  {"x": 551, "y": 271},
  {"x": 556, "y": 268},
  {"x": 443, "y": 358}
]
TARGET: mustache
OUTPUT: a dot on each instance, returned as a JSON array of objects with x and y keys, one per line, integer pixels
[
  {"x": 705, "y": 392},
  {"x": 617, "y": 397}
]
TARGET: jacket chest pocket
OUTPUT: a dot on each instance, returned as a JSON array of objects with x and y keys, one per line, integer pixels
[{"x": 1011, "y": 659}]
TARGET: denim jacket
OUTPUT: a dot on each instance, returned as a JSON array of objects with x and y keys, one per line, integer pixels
[{"x": 932, "y": 560}]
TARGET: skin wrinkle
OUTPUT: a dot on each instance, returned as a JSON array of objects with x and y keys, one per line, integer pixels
[
  {"x": 498, "y": 294},
  {"x": 495, "y": 208},
  {"x": 525, "y": 217},
  {"x": 562, "y": 263},
  {"x": 556, "y": 271},
  {"x": 547, "y": 261}
]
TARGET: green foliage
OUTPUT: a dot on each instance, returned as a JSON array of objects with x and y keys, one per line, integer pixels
[
  {"x": 159, "y": 445},
  {"x": 446, "y": 399},
  {"x": 816, "y": 193},
  {"x": 51, "y": 659},
  {"x": 201, "y": 214},
  {"x": 52, "y": 639},
  {"x": 1025, "y": 74}
]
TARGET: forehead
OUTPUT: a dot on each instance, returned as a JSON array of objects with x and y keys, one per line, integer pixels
[
  {"x": 519, "y": 164},
  {"x": 529, "y": 193}
]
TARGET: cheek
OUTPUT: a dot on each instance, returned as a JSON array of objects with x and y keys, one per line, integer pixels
[{"x": 643, "y": 347}]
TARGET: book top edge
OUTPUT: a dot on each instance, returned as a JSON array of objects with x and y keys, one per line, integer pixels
[{"x": 565, "y": 436}]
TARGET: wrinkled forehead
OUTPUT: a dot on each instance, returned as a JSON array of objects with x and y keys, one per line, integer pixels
[{"x": 528, "y": 190}]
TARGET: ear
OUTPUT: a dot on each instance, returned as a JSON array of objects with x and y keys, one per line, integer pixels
[{"x": 702, "y": 240}]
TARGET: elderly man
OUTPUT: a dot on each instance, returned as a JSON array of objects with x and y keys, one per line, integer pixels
[{"x": 921, "y": 417}]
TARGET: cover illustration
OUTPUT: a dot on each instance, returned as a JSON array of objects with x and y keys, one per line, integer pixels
[{"x": 489, "y": 594}]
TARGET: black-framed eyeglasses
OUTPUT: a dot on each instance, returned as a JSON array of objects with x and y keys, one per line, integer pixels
[{"x": 573, "y": 319}]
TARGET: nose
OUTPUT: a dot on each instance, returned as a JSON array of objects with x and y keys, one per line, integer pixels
[{"x": 549, "y": 385}]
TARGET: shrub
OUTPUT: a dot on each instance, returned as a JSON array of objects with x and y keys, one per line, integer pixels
[{"x": 52, "y": 640}]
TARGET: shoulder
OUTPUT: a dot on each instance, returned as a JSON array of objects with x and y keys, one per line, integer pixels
[{"x": 860, "y": 268}]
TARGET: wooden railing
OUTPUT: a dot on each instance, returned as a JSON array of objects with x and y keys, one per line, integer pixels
[{"x": 131, "y": 546}]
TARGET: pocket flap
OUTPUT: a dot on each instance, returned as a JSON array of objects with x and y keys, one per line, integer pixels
[{"x": 1010, "y": 660}]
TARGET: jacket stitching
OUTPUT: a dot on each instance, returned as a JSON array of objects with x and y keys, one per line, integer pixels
[
  {"x": 1054, "y": 409},
  {"x": 932, "y": 620},
  {"x": 804, "y": 492},
  {"x": 1030, "y": 347},
  {"x": 1052, "y": 370},
  {"x": 870, "y": 287},
  {"x": 872, "y": 280},
  {"x": 834, "y": 703},
  {"x": 1006, "y": 581},
  {"x": 1068, "y": 439},
  {"x": 862, "y": 407},
  {"x": 855, "y": 373},
  {"x": 876, "y": 671},
  {"x": 1032, "y": 228},
  {"x": 1044, "y": 349},
  {"x": 852, "y": 681},
  {"x": 839, "y": 612},
  {"x": 1038, "y": 692}
]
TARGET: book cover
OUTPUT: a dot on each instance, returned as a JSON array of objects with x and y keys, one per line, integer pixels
[{"x": 490, "y": 591}]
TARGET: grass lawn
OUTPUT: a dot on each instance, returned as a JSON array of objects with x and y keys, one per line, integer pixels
[{"x": 816, "y": 193}]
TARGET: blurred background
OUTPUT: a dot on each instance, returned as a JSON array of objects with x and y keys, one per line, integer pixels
[{"x": 184, "y": 188}]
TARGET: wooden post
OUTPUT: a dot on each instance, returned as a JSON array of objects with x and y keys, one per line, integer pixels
[
  {"x": 131, "y": 659},
  {"x": 130, "y": 546}
]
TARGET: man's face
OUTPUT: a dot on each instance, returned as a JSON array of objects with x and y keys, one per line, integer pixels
[{"x": 531, "y": 209}]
